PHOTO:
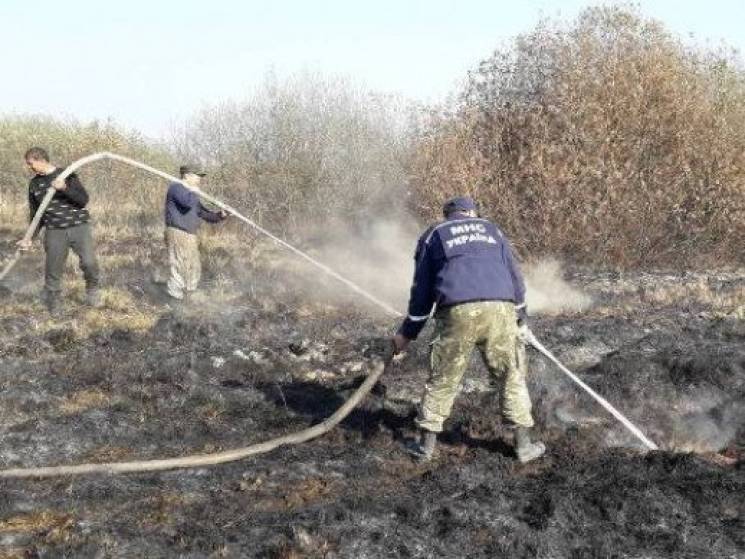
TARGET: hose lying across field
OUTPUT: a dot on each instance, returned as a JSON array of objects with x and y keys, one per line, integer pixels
[
  {"x": 378, "y": 367},
  {"x": 201, "y": 460}
]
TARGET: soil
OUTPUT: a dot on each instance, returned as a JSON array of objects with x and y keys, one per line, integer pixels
[{"x": 215, "y": 376}]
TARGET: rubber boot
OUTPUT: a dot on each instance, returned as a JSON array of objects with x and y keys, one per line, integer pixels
[
  {"x": 178, "y": 304},
  {"x": 524, "y": 448},
  {"x": 424, "y": 449},
  {"x": 51, "y": 302}
]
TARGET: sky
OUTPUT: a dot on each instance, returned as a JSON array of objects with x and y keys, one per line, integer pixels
[{"x": 148, "y": 64}]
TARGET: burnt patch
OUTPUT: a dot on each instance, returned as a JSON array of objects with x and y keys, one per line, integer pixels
[{"x": 261, "y": 368}]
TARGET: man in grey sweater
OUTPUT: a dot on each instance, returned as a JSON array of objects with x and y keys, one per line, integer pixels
[
  {"x": 68, "y": 226},
  {"x": 184, "y": 214}
]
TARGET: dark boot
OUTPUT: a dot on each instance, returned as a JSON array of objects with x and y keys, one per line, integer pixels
[
  {"x": 176, "y": 303},
  {"x": 524, "y": 448},
  {"x": 424, "y": 449},
  {"x": 52, "y": 303},
  {"x": 93, "y": 298}
]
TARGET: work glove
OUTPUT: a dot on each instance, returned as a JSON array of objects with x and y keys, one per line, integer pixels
[
  {"x": 23, "y": 245},
  {"x": 523, "y": 332},
  {"x": 400, "y": 343},
  {"x": 380, "y": 348}
]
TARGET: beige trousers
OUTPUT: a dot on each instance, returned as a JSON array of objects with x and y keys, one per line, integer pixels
[{"x": 183, "y": 260}]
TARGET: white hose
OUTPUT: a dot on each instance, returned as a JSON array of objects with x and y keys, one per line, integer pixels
[{"x": 201, "y": 460}]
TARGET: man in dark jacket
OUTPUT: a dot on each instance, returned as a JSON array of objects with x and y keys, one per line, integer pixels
[
  {"x": 68, "y": 226},
  {"x": 465, "y": 270},
  {"x": 184, "y": 214}
]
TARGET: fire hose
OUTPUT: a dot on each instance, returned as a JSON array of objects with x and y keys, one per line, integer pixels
[
  {"x": 379, "y": 365},
  {"x": 633, "y": 429}
]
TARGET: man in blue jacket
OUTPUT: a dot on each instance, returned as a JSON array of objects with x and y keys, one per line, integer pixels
[
  {"x": 184, "y": 214},
  {"x": 465, "y": 270}
]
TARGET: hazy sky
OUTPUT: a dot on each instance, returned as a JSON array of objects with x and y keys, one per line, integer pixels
[{"x": 149, "y": 63}]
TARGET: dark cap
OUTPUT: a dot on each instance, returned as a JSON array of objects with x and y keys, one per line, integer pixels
[
  {"x": 459, "y": 204},
  {"x": 191, "y": 170}
]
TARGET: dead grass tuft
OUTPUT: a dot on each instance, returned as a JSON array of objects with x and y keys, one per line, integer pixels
[
  {"x": 699, "y": 292},
  {"x": 308, "y": 492},
  {"x": 120, "y": 311},
  {"x": 53, "y": 527},
  {"x": 210, "y": 412},
  {"x": 108, "y": 453},
  {"x": 161, "y": 509},
  {"x": 84, "y": 400}
]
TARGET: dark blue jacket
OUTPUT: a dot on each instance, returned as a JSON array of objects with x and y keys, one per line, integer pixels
[
  {"x": 459, "y": 260},
  {"x": 184, "y": 210}
]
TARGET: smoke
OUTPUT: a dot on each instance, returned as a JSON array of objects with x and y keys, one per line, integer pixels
[
  {"x": 548, "y": 292},
  {"x": 709, "y": 426},
  {"x": 706, "y": 420},
  {"x": 379, "y": 257},
  {"x": 679, "y": 423}
]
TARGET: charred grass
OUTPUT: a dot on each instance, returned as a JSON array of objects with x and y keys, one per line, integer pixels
[{"x": 253, "y": 360}]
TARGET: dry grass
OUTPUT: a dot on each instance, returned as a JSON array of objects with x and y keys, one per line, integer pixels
[
  {"x": 117, "y": 260},
  {"x": 84, "y": 400},
  {"x": 738, "y": 312},
  {"x": 107, "y": 454},
  {"x": 162, "y": 509},
  {"x": 53, "y": 527},
  {"x": 719, "y": 302},
  {"x": 699, "y": 292},
  {"x": 120, "y": 311},
  {"x": 210, "y": 412}
]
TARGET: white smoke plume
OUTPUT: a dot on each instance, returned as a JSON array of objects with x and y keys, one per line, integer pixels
[
  {"x": 379, "y": 257},
  {"x": 549, "y": 293}
]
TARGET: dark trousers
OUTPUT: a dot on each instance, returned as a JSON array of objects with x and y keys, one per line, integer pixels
[{"x": 57, "y": 243}]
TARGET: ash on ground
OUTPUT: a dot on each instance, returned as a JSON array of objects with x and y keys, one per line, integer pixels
[{"x": 245, "y": 365}]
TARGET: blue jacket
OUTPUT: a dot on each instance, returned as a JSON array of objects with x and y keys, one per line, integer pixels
[
  {"x": 459, "y": 260},
  {"x": 184, "y": 210}
]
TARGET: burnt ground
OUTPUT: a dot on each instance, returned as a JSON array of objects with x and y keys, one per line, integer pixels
[{"x": 252, "y": 362}]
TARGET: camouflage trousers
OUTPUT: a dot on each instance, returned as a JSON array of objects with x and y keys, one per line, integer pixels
[
  {"x": 183, "y": 259},
  {"x": 491, "y": 326}
]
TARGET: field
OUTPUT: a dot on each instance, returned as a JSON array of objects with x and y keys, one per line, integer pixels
[
  {"x": 607, "y": 143},
  {"x": 257, "y": 356}
]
